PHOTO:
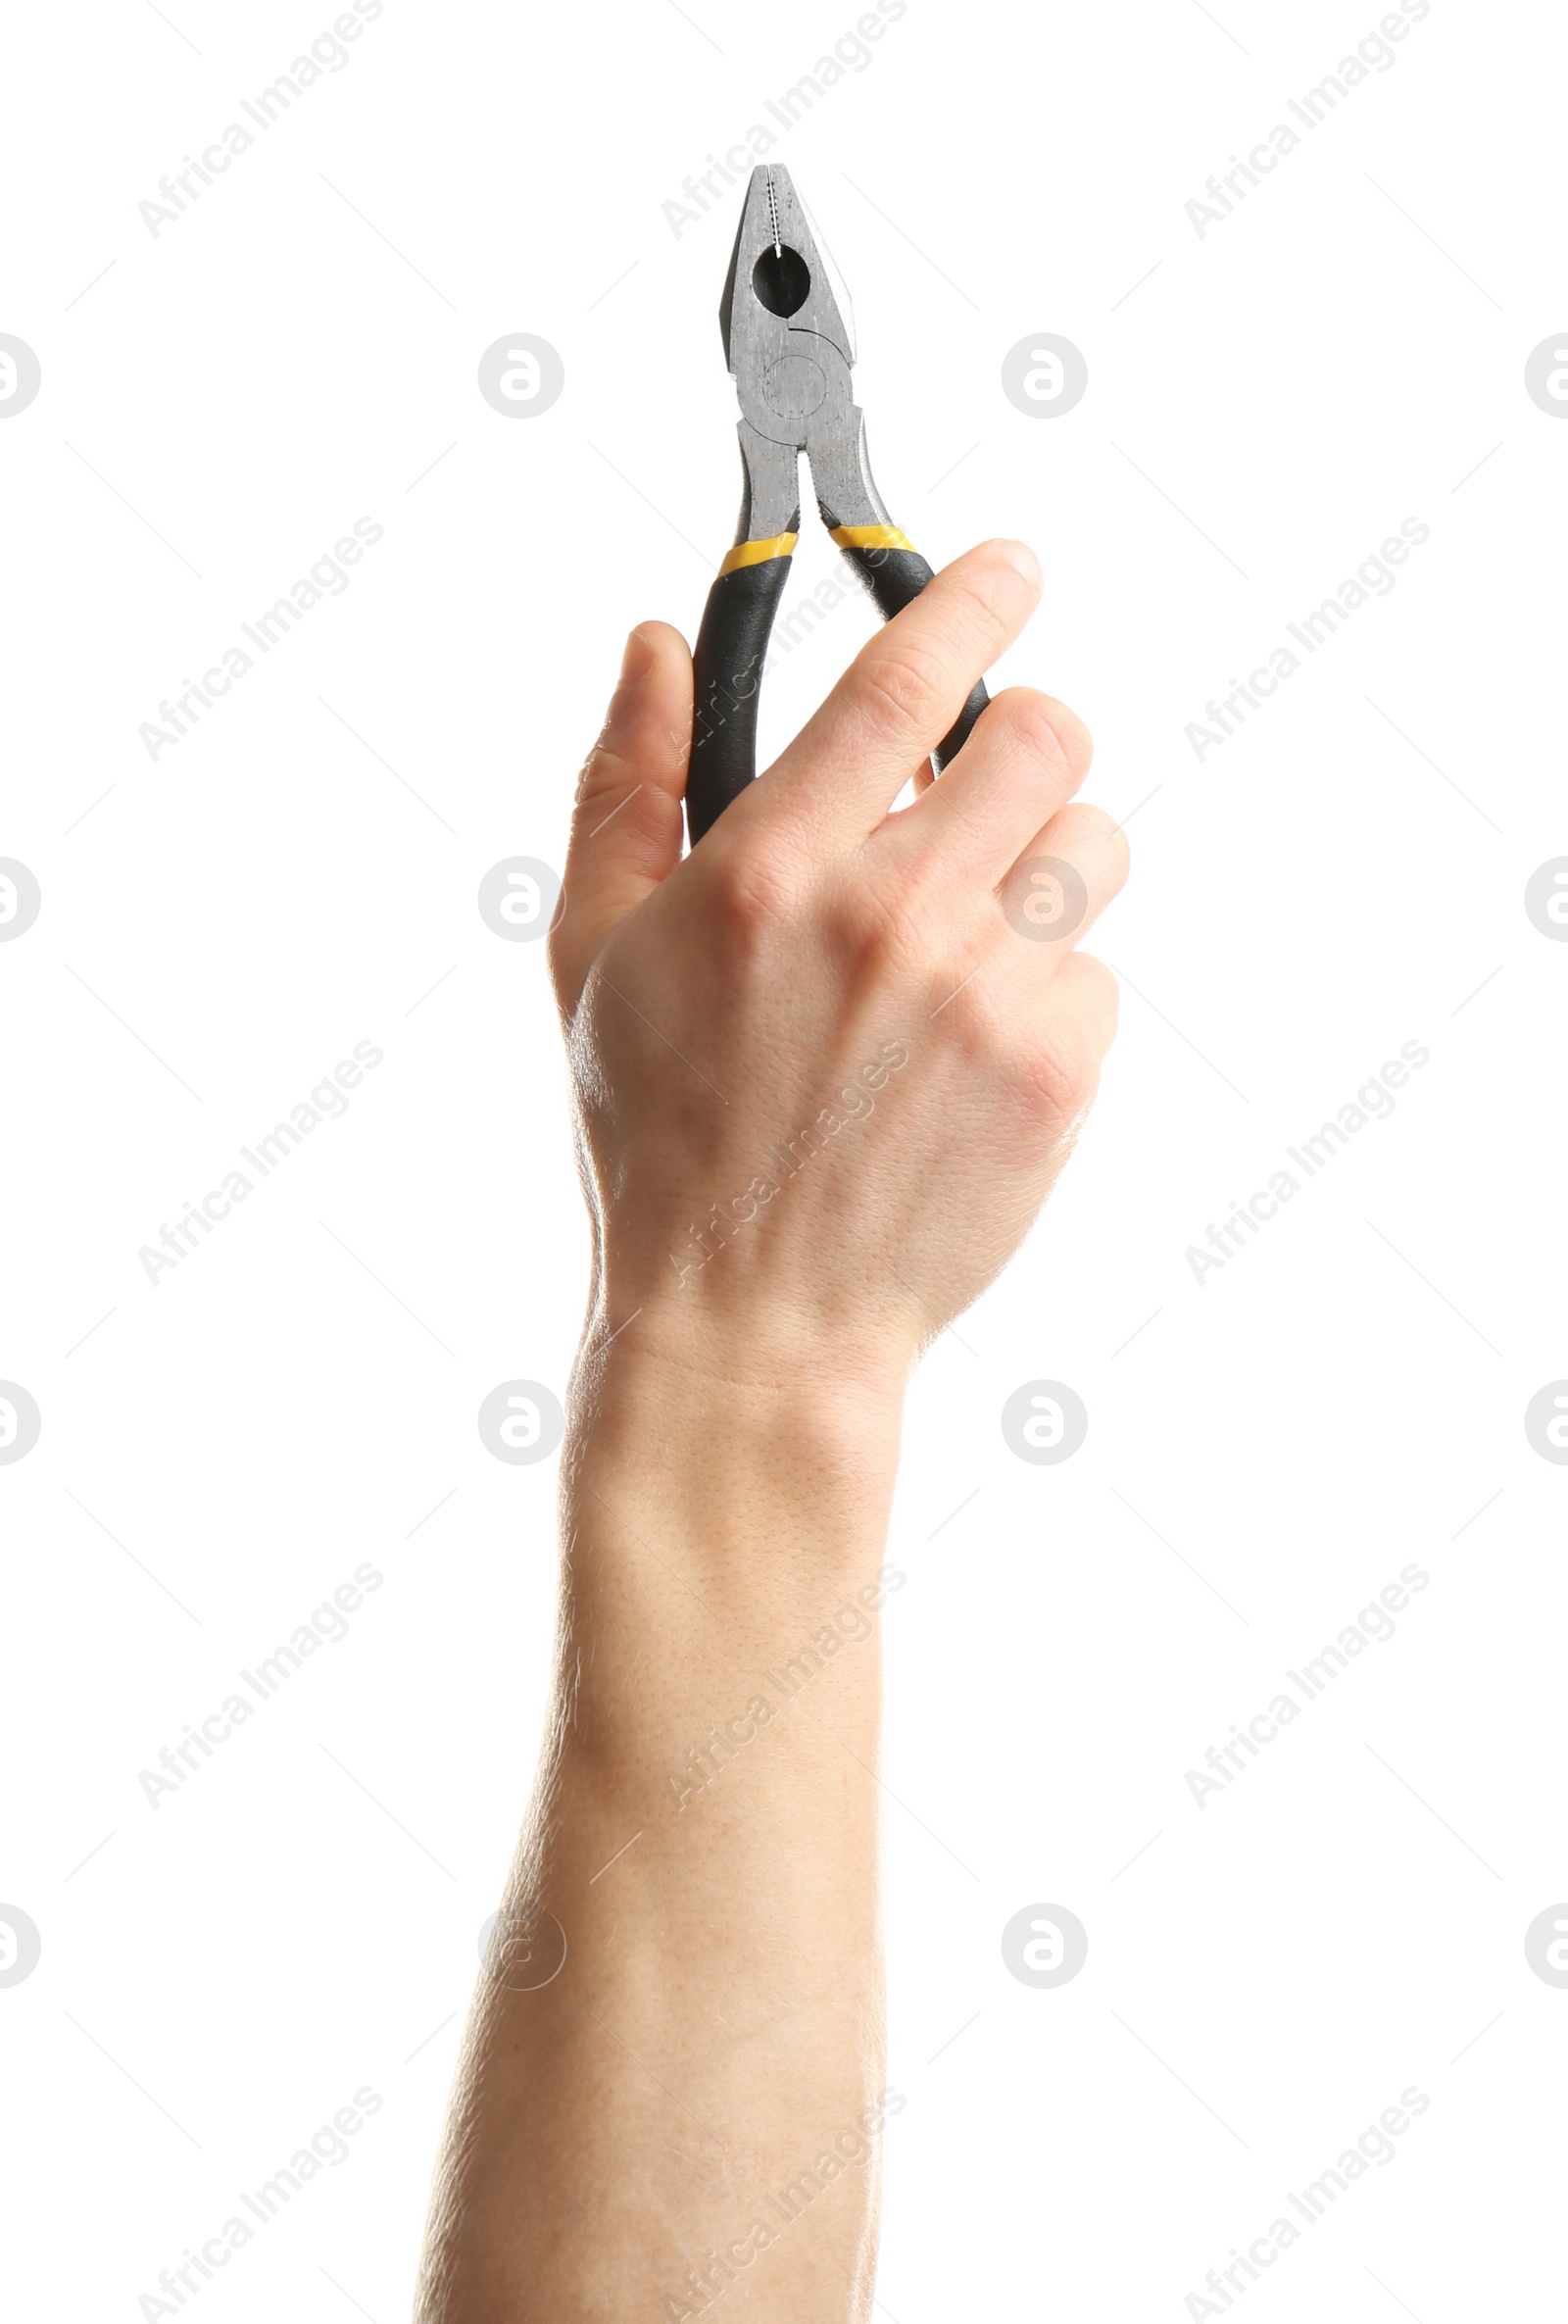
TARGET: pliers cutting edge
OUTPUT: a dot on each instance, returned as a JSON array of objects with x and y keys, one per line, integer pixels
[{"x": 789, "y": 342}]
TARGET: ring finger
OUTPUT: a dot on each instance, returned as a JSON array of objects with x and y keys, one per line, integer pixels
[{"x": 1063, "y": 880}]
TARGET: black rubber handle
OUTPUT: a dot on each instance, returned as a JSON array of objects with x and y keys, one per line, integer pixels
[
  {"x": 727, "y": 677},
  {"x": 731, "y": 649}
]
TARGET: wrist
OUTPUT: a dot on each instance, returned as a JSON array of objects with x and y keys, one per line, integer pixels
[
  {"x": 736, "y": 1451},
  {"x": 723, "y": 1332}
]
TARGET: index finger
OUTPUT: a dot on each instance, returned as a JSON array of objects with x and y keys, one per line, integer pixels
[{"x": 904, "y": 689}]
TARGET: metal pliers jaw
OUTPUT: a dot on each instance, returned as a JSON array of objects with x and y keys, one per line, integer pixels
[{"x": 789, "y": 341}]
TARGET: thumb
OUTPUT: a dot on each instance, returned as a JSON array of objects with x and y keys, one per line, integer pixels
[{"x": 626, "y": 826}]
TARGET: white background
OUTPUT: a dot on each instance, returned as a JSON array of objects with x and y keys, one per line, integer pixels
[{"x": 1345, "y": 351}]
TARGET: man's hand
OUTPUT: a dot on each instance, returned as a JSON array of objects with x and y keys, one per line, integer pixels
[
  {"x": 826, "y": 1072},
  {"x": 828, "y": 1066}
]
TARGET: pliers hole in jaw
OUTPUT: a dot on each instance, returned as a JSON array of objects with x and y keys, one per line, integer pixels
[{"x": 782, "y": 280}]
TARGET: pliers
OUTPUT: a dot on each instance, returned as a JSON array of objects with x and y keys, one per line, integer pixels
[{"x": 789, "y": 342}]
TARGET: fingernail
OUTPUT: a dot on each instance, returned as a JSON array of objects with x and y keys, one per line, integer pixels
[
  {"x": 637, "y": 660},
  {"x": 1026, "y": 563}
]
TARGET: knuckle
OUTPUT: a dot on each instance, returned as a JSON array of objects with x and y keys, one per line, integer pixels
[
  {"x": 1101, "y": 840},
  {"x": 876, "y": 925},
  {"x": 607, "y": 788},
  {"x": 1057, "y": 1073},
  {"x": 1099, "y": 997},
  {"x": 1046, "y": 1072},
  {"x": 1097, "y": 821},
  {"x": 903, "y": 691},
  {"x": 988, "y": 590},
  {"x": 603, "y": 765},
  {"x": 1118, "y": 857},
  {"x": 1100, "y": 818},
  {"x": 749, "y": 893},
  {"x": 964, "y": 1014},
  {"x": 1029, "y": 719}
]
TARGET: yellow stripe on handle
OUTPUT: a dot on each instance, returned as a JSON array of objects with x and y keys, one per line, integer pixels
[
  {"x": 782, "y": 544},
  {"x": 870, "y": 536}
]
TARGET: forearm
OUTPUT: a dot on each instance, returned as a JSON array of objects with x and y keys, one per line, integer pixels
[
  {"x": 703, "y": 1843},
  {"x": 838, "y": 1036}
]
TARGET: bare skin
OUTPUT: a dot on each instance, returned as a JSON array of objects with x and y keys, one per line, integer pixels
[{"x": 823, "y": 1084}]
